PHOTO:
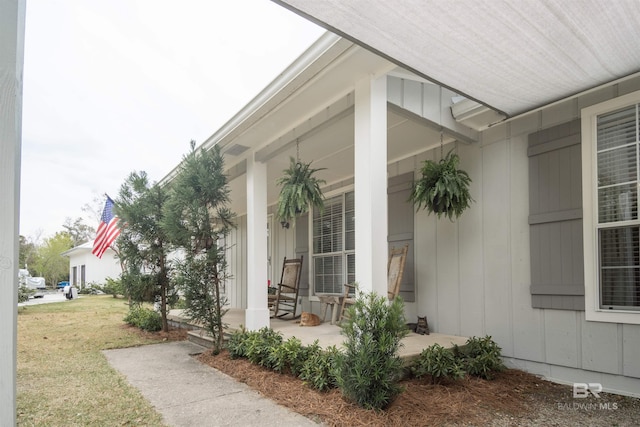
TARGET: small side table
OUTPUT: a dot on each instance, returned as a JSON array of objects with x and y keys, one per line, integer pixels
[{"x": 335, "y": 301}]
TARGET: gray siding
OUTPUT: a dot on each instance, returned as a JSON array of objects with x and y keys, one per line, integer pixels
[
  {"x": 555, "y": 218},
  {"x": 400, "y": 231}
]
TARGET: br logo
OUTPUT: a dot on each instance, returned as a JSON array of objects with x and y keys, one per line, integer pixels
[{"x": 582, "y": 390}]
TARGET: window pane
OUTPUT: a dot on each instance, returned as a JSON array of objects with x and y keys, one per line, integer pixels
[
  {"x": 351, "y": 268},
  {"x": 350, "y": 221},
  {"x": 332, "y": 230},
  {"x": 328, "y": 274},
  {"x": 617, "y": 166},
  {"x": 620, "y": 267},
  {"x": 618, "y": 203},
  {"x": 620, "y": 289},
  {"x": 619, "y": 247},
  {"x": 617, "y": 128},
  {"x": 326, "y": 225}
]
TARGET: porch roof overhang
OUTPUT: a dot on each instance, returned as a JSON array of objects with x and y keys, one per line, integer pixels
[
  {"x": 513, "y": 57},
  {"x": 311, "y": 103}
]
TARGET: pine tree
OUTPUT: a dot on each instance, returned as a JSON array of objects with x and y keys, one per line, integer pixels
[
  {"x": 143, "y": 246},
  {"x": 198, "y": 220}
]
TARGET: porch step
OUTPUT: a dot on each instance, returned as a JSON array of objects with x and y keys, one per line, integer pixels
[{"x": 202, "y": 338}]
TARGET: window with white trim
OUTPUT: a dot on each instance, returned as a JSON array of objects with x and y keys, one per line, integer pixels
[
  {"x": 334, "y": 244},
  {"x": 611, "y": 146}
]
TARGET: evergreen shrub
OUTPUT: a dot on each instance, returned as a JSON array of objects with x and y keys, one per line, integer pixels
[
  {"x": 439, "y": 363},
  {"x": 369, "y": 370},
  {"x": 144, "y": 318}
]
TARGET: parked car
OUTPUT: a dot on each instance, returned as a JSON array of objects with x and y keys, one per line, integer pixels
[{"x": 62, "y": 284}]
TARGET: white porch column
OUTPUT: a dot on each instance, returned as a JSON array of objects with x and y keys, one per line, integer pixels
[
  {"x": 371, "y": 183},
  {"x": 12, "y": 15},
  {"x": 257, "y": 313}
]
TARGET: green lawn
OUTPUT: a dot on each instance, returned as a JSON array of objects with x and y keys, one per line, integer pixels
[{"x": 63, "y": 378}]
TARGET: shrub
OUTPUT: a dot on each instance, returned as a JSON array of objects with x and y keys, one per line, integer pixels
[
  {"x": 89, "y": 290},
  {"x": 143, "y": 318},
  {"x": 369, "y": 370},
  {"x": 439, "y": 363},
  {"x": 24, "y": 293},
  {"x": 237, "y": 344},
  {"x": 319, "y": 369},
  {"x": 288, "y": 356},
  {"x": 113, "y": 287},
  {"x": 315, "y": 366},
  {"x": 259, "y": 345},
  {"x": 480, "y": 357}
]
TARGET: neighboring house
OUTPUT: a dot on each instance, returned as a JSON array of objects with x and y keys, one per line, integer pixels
[
  {"x": 85, "y": 268},
  {"x": 520, "y": 265}
]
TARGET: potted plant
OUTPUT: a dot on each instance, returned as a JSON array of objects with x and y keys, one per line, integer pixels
[
  {"x": 299, "y": 190},
  {"x": 443, "y": 188}
]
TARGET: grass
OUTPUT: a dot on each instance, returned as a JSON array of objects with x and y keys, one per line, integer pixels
[{"x": 63, "y": 379}]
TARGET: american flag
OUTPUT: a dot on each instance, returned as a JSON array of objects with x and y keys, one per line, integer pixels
[{"x": 107, "y": 230}]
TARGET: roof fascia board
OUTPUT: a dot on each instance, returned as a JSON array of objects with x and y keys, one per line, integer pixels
[
  {"x": 326, "y": 49},
  {"x": 569, "y": 98}
]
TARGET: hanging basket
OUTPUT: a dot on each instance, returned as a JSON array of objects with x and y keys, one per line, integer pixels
[
  {"x": 299, "y": 190},
  {"x": 442, "y": 189}
]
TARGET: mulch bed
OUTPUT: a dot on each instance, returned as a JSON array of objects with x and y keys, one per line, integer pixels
[
  {"x": 513, "y": 398},
  {"x": 471, "y": 401}
]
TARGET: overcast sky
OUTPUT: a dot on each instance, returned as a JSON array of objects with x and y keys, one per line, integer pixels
[{"x": 113, "y": 86}]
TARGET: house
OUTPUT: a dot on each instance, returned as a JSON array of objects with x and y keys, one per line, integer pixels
[
  {"x": 545, "y": 261},
  {"x": 85, "y": 268}
]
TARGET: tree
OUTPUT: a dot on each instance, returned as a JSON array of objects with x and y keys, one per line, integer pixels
[
  {"x": 197, "y": 219},
  {"x": 79, "y": 231},
  {"x": 27, "y": 253},
  {"x": 49, "y": 262},
  {"x": 142, "y": 245}
]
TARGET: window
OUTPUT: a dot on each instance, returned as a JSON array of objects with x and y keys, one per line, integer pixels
[
  {"x": 611, "y": 180},
  {"x": 334, "y": 244}
]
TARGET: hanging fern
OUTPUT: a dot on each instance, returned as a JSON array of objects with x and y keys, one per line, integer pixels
[
  {"x": 299, "y": 190},
  {"x": 443, "y": 188}
]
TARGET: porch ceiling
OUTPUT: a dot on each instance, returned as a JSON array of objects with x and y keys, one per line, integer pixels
[
  {"x": 510, "y": 56},
  {"x": 331, "y": 147}
]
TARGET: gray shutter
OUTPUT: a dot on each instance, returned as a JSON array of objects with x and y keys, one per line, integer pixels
[
  {"x": 401, "y": 228},
  {"x": 555, "y": 218},
  {"x": 302, "y": 248}
]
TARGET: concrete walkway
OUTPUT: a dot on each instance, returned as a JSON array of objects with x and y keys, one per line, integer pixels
[{"x": 190, "y": 394}]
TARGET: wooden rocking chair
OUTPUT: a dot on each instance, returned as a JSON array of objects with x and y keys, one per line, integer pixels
[
  {"x": 285, "y": 299},
  {"x": 395, "y": 270}
]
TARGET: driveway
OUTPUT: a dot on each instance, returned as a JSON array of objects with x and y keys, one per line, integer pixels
[{"x": 49, "y": 297}]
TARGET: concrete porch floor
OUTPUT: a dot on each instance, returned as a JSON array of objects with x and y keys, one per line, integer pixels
[{"x": 326, "y": 333}]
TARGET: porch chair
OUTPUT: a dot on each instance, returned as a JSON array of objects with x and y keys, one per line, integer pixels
[
  {"x": 285, "y": 299},
  {"x": 395, "y": 270}
]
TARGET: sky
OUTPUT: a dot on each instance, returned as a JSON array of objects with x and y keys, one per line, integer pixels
[{"x": 115, "y": 86}]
